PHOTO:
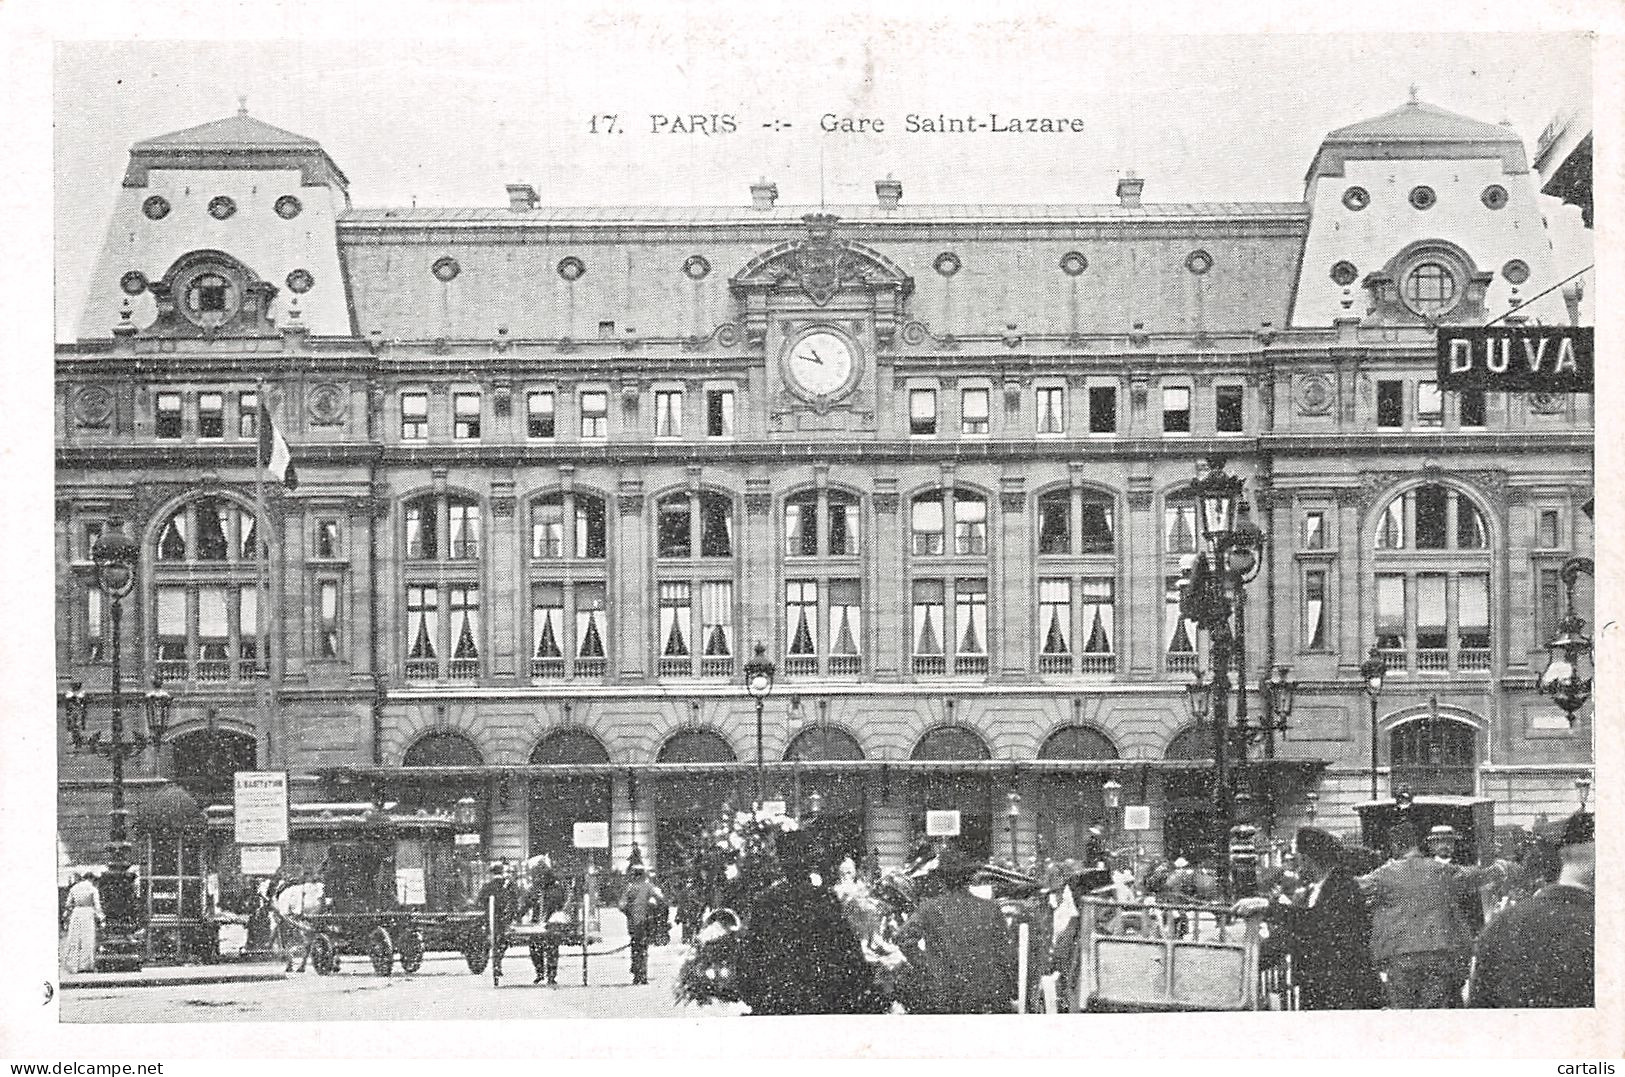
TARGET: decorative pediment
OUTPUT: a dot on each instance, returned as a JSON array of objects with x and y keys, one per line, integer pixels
[
  {"x": 208, "y": 294},
  {"x": 820, "y": 266}
]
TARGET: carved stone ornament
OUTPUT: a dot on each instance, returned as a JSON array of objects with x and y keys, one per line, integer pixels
[
  {"x": 1012, "y": 501},
  {"x": 1547, "y": 403},
  {"x": 502, "y": 505},
  {"x": 631, "y": 504},
  {"x": 820, "y": 265},
  {"x": 93, "y": 406},
  {"x": 325, "y": 404},
  {"x": 1314, "y": 393},
  {"x": 758, "y": 503}
]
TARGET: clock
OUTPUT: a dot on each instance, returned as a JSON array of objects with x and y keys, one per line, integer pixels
[{"x": 820, "y": 363}]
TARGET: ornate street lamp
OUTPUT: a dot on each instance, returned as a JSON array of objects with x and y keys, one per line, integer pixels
[
  {"x": 115, "y": 558},
  {"x": 1582, "y": 786},
  {"x": 1372, "y": 671},
  {"x": 1569, "y": 669},
  {"x": 1311, "y": 805},
  {"x": 1112, "y": 793},
  {"x": 759, "y": 682},
  {"x": 815, "y": 804},
  {"x": 1012, "y": 812}
]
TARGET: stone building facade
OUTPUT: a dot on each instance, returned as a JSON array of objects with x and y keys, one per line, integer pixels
[{"x": 561, "y": 468}]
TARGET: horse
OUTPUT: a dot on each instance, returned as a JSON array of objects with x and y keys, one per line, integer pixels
[{"x": 289, "y": 908}]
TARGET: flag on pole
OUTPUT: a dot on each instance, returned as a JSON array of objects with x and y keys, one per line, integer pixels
[{"x": 274, "y": 456}]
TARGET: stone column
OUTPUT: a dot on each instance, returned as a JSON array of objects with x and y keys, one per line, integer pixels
[
  {"x": 758, "y": 579},
  {"x": 630, "y": 593},
  {"x": 888, "y": 585},
  {"x": 1013, "y": 587},
  {"x": 505, "y": 581}
]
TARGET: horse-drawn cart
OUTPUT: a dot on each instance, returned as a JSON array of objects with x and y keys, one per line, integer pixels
[{"x": 1144, "y": 956}]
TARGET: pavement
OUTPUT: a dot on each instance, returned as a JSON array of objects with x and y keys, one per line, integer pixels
[{"x": 175, "y": 975}]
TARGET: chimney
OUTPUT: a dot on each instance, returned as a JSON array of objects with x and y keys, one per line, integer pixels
[
  {"x": 763, "y": 194},
  {"x": 521, "y": 197},
  {"x": 889, "y": 191},
  {"x": 1128, "y": 191}
]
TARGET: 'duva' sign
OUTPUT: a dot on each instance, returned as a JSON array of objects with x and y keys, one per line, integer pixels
[{"x": 1521, "y": 358}]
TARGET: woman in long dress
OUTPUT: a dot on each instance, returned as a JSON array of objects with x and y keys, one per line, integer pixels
[{"x": 84, "y": 917}]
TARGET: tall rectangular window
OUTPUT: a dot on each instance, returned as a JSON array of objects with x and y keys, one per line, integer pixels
[
  {"x": 970, "y": 617},
  {"x": 168, "y": 423},
  {"x": 801, "y": 527},
  {"x": 329, "y": 630},
  {"x": 1314, "y": 530},
  {"x": 94, "y": 637},
  {"x": 801, "y": 617},
  {"x": 843, "y": 528},
  {"x": 674, "y": 527},
  {"x": 327, "y": 538},
  {"x": 1102, "y": 409},
  {"x": 845, "y": 623},
  {"x": 1099, "y": 606},
  {"x": 1227, "y": 409},
  {"x": 547, "y": 629},
  {"x": 1432, "y": 520},
  {"x": 592, "y": 531},
  {"x": 1055, "y": 617},
  {"x": 547, "y": 528},
  {"x": 1096, "y": 535},
  {"x": 1473, "y": 620},
  {"x": 717, "y": 618},
  {"x": 668, "y": 413},
  {"x": 1429, "y": 404},
  {"x": 1547, "y": 532},
  {"x": 1390, "y": 403},
  {"x": 970, "y": 525},
  {"x": 1471, "y": 407},
  {"x": 922, "y": 411},
  {"x": 927, "y": 633},
  {"x": 464, "y": 608},
  {"x": 676, "y": 612},
  {"x": 422, "y": 631},
  {"x": 211, "y": 415},
  {"x": 465, "y": 530},
  {"x": 592, "y": 628},
  {"x": 422, "y": 531},
  {"x": 1314, "y": 609},
  {"x": 539, "y": 415},
  {"x": 1176, "y": 409},
  {"x": 1179, "y": 528},
  {"x": 248, "y": 415},
  {"x": 925, "y": 525},
  {"x": 1051, "y": 413},
  {"x": 213, "y": 635},
  {"x": 595, "y": 414},
  {"x": 1391, "y": 614},
  {"x": 1431, "y": 640},
  {"x": 466, "y": 416},
  {"x": 1548, "y": 604},
  {"x": 1179, "y": 632},
  {"x": 172, "y": 632},
  {"x": 414, "y": 416},
  {"x": 719, "y": 413},
  {"x": 248, "y": 631},
  {"x": 1055, "y": 523},
  {"x": 973, "y": 411}
]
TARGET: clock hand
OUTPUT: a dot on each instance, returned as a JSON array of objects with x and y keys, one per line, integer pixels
[{"x": 814, "y": 356}]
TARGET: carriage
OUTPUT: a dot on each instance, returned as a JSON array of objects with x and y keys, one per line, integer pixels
[
  {"x": 1145, "y": 956},
  {"x": 575, "y": 925}
]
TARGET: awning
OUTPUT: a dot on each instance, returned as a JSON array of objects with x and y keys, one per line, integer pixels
[{"x": 809, "y": 766}]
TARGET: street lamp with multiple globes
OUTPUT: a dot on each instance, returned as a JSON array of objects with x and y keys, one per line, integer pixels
[
  {"x": 1566, "y": 678},
  {"x": 1213, "y": 595},
  {"x": 1372, "y": 671},
  {"x": 1582, "y": 786},
  {"x": 1111, "y": 792},
  {"x": 759, "y": 682},
  {"x": 1012, "y": 812},
  {"x": 115, "y": 557}
]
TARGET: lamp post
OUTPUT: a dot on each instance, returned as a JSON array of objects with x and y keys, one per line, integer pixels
[
  {"x": 1582, "y": 786},
  {"x": 1311, "y": 805},
  {"x": 1112, "y": 793},
  {"x": 1566, "y": 679},
  {"x": 759, "y": 682},
  {"x": 1372, "y": 670},
  {"x": 1213, "y": 595},
  {"x": 115, "y": 557},
  {"x": 1012, "y": 813},
  {"x": 815, "y": 804}
]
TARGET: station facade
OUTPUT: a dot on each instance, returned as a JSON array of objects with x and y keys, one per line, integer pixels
[{"x": 561, "y": 469}]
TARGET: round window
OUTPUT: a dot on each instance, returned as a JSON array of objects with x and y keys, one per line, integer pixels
[
  {"x": 1073, "y": 263},
  {"x": 1422, "y": 197},
  {"x": 156, "y": 207},
  {"x": 1494, "y": 196},
  {"x": 211, "y": 299},
  {"x": 300, "y": 281},
  {"x": 288, "y": 207},
  {"x": 134, "y": 282},
  {"x": 696, "y": 267},
  {"x": 1356, "y": 198},
  {"x": 445, "y": 269},
  {"x": 1516, "y": 271},
  {"x": 1199, "y": 262},
  {"x": 947, "y": 263},
  {"x": 1344, "y": 273},
  {"x": 572, "y": 268},
  {"x": 221, "y": 207},
  {"x": 1430, "y": 288}
]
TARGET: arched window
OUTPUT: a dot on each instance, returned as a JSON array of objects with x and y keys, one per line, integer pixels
[
  {"x": 1069, "y": 804},
  {"x": 442, "y": 750},
  {"x": 1181, "y": 538},
  {"x": 441, "y": 541},
  {"x": 559, "y": 801},
  {"x": 823, "y": 608},
  {"x": 205, "y": 592},
  {"x": 1432, "y": 582},
  {"x": 1077, "y": 583},
  {"x": 1077, "y": 742},
  {"x": 569, "y": 628},
  {"x": 1434, "y": 755},
  {"x": 970, "y": 793},
  {"x": 694, "y": 586},
  {"x": 959, "y": 646},
  {"x": 823, "y": 742},
  {"x": 696, "y": 746}
]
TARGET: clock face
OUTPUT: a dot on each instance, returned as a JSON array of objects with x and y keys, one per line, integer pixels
[{"x": 820, "y": 363}]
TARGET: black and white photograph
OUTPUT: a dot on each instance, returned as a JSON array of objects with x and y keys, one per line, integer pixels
[{"x": 670, "y": 517}]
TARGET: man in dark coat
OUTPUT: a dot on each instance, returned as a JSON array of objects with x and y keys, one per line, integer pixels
[
  {"x": 1329, "y": 933},
  {"x": 799, "y": 954},
  {"x": 1542, "y": 951},
  {"x": 959, "y": 944},
  {"x": 641, "y": 897},
  {"x": 548, "y": 895},
  {"x": 499, "y": 888}
]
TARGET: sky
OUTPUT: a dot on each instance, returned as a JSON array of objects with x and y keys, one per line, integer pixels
[{"x": 449, "y": 122}]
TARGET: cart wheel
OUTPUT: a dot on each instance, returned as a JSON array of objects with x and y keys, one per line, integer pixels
[
  {"x": 323, "y": 955},
  {"x": 381, "y": 948},
  {"x": 475, "y": 952},
  {"x": 411, "y": 950}
]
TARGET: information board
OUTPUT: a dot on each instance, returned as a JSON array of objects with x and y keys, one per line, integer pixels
[
  {"x": 259, "y": 859},
  {"x": 942, "y": 824},
  {"x": 260, "y": 804},
  {"x": 1137, "y": 817},
  {"x": 592, "y": 835}
]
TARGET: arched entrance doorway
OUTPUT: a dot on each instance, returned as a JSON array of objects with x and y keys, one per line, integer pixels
[
  {"x": 1069, "y": 804},
  {"x": 559, "y": 802},
  {"x": 448, "y": 874},
  {"x": 843, "y": 814},
  {"x": 203, "y": 762},
  {"x": 1188, "y": 818},
  {"x": 1434, "y": 755},
  {"x": 687, "y": 806},
  {"x": 969, "y": 793},
  {"x": 174, "y": 876}
]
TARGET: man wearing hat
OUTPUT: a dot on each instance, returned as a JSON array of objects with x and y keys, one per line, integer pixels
[
  {"x": 1421, "y": 938},
  {"x": 1542, "y": 951},
  {"x": 960, "y": 945},
  {"x": 641, "y": 899},
  {"x": 1328, "y": 934},
  {"x": 499, "y": 888}
]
